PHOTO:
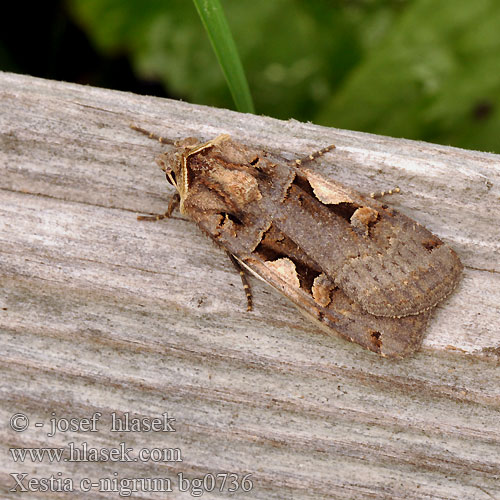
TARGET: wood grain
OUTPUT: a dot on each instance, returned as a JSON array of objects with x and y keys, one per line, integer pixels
[{"x": 102, "y": 313}]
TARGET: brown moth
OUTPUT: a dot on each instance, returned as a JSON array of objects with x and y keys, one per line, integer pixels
[{"x": 360, "y": 268}]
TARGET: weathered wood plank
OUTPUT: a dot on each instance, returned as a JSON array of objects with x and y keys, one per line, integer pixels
[{"x": 102, "y": 313}]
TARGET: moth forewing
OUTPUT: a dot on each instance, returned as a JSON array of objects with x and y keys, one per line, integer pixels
[
  {"x": 388, "y": 263},
  {"x": 358, "y": 267},
  {"x": 335, "y": 313}
]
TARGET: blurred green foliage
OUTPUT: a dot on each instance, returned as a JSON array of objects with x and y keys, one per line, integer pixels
[{"x": 421, "y": 69}]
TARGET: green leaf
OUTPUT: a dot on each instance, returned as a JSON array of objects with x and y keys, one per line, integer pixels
[
  {"x": 165, "y": 42},
  {"x": 214, "y": 20},
  {"x": 435, "y": 76},
  {"x": 420, "y": 69}
]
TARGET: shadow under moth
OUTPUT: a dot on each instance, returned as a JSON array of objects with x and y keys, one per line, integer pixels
[{"x": 359, "y": 267}]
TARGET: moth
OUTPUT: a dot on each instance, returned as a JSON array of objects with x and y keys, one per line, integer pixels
[{"x": 358, "y": 267}]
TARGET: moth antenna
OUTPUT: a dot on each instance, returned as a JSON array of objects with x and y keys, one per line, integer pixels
[
  {"x": 381, "y": 194},
  {"x": 151, "y": 135},
  {"x": 314, "y": 156}
]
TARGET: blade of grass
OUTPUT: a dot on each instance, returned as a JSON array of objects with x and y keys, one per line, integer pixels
[{"x": 214, "y": 20}]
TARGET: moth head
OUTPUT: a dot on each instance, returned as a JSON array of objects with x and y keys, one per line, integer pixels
[
  {"x": 171, "y": 164},
  {"x": 174, "y": 164}
]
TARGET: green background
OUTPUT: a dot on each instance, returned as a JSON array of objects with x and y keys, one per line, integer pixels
[{"x": 420, "y": 69}]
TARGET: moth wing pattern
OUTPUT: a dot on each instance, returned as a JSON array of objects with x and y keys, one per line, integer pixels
[
  {"x": 401, "y": 268},
  {"x": 357, "y": 266},
  {"x": 391, "y": 337}
]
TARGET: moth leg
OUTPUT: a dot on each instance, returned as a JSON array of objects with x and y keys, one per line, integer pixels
[
  {"x": 380, "y": 194},
  {"x": 244, "y": 280},
  {"x": 172, "y": 205},
  {"x": 314, "y": 155},
  {"x": 151, "y": 135}
]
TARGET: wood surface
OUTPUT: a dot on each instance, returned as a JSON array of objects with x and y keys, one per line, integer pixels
[{"x": 102, "y": 313}]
